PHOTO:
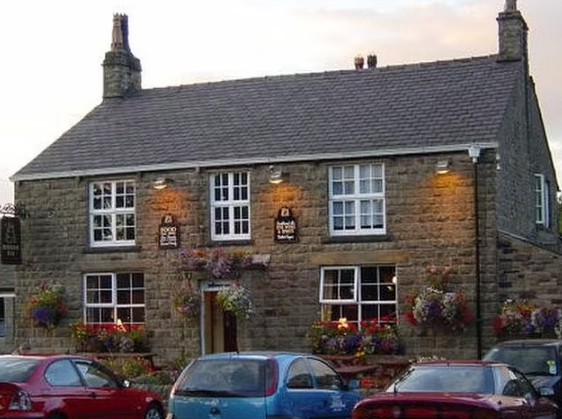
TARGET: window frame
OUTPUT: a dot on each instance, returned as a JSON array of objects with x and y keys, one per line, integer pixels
[
  {"x": 358, "y": 285},
  {"x": 542, "y": 200},
  {"x": 113, "y": 304},
  {"x": 2, "y": 316},
  {"x": 231, "y": 204},
  {"x": 355, "y": 199},
  {"x": 114, "y": 212}
]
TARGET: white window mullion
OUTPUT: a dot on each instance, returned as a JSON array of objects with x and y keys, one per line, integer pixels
[
  {"x": 373, "y": 297},
  {"x": 542, "y": 201},
  {"x": 97, "y": 236},
  {"x": 232, "y": 203},
  {"x": 357, "y": 185},
  {"x": 107, "y": 311}
]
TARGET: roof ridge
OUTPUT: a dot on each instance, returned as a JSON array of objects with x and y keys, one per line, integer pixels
[{"x": 287, "y": 76}]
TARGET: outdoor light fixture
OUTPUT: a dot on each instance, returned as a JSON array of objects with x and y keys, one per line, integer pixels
[
  {"x": 443, "y": 166},
  {"x": 275, "y": 175},
  {"x": 161, "y": 183},
  {"x": 474, "y": 153}
]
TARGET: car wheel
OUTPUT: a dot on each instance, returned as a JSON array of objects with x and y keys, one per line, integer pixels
[
  {"x": 57, "y": 416},
  {"x": 154, "y": 412}
]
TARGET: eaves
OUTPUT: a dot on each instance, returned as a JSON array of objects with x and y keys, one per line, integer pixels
[{"x": 194, "y": 164}]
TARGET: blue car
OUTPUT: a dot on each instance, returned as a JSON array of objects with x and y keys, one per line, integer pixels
[{"x": 260, "y": 385}]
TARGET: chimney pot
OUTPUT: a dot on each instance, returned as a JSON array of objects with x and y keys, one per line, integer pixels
[
  {"x": 510, "y": 6},
  {"x": 371, "y": 61},
  {"x": 359, "y": 61}
]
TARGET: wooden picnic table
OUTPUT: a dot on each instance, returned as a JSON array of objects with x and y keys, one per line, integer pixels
[
  {"x": 148, "y": 356},
  {"x": 356, "y": 372}
]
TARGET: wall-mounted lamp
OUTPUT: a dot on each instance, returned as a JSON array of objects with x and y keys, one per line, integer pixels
[
  {"x": 275, "y": 175},
  {"x": 443, "y": 166},
  {"x": 161, "y": 183},
  {"x": 474, "y": 153}
]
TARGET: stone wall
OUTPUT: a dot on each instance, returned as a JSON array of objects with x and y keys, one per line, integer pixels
[
  {"x": 430, "y": 221},
  {"x": 528, "y": 272}
]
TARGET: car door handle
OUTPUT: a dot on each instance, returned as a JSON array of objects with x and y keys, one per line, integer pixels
[{"x": 93, "y": 395}]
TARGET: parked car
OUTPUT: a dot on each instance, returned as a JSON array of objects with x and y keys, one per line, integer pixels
[
  {"x": 538, "y": 359},
  {"x": 260, "y": 385},
  {"x": 69, "y": 387},
  {"x": 458, "y": 390}
]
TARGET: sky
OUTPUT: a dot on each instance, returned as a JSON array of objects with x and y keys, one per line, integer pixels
[{"x": 52, "y": 51}]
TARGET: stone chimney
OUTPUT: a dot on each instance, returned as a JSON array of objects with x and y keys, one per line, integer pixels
[
  {"x": 512, "y": 31},
  {"x": 121, "y": 70}
]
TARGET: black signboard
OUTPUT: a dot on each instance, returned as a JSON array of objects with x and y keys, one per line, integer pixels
[
  {"x": 10, "y": 240},
  {"x": 285, "y": 226},
  {"x": 168, "y": 233}
]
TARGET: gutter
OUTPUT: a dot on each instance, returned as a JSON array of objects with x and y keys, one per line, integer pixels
[{"x": 198, "y": 164}]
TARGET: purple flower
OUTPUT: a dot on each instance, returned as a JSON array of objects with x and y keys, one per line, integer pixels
[
  {"x": 351, "y": 343},
  {"x": 43, "y": 315}
]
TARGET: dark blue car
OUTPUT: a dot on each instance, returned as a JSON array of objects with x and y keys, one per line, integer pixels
[{"x": 260, "y": 385}]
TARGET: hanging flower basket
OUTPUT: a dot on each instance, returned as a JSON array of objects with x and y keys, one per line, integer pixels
[
  {"x": 237, "y": 300},
  {"x": 46, "y": 307},
  {"x": 436, "y": 307},
  {"x": 187, "y": 301},
  {"x": 520, "y": 320}
]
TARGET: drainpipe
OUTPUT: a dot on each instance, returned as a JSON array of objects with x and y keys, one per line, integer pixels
[{"x": 474, "y": 153}]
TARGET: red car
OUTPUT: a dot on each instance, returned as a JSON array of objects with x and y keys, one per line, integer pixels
[
  {"x": 69, "y": 387},
  {"x": 459, "y": 390}
]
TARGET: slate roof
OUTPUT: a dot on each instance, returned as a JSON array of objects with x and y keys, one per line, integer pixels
[{"x": 429, "y": 106}]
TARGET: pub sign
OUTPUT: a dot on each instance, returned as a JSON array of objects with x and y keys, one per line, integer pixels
[
  {"x": 10, "y": 240},
  {"x": 168, "y": 233},
  {"x": 285, "y": 226}
]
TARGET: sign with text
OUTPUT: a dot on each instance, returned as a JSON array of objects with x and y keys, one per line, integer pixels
[
  {"x": 10, "y": 240},
  {"x": 168, "y": 233},
  {"x": 285, "y": 226}
]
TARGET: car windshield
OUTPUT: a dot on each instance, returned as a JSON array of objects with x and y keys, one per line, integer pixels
[
  {"x": 17, "y": 370},
  {"x": 531, "y": 360},
  {"x": 224, "y": 378},
  {"x": 446, "y": 378}
]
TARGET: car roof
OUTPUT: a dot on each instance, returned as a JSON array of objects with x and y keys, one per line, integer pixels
[
  {"x": 43, "y": 356},
  {"x": 529, "y": 342},
  {"x": 459, "y": 363},
  {"x": 256, "y": 355}
]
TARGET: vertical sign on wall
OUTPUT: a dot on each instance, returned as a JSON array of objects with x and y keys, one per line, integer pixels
[
  {"x": 168, "y": 233},
  {"x": 285, "y": 226},
  {"x": 10, "y": 240}
]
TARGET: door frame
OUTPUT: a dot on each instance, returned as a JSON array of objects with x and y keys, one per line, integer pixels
[{"x": 208, "y": 286}]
